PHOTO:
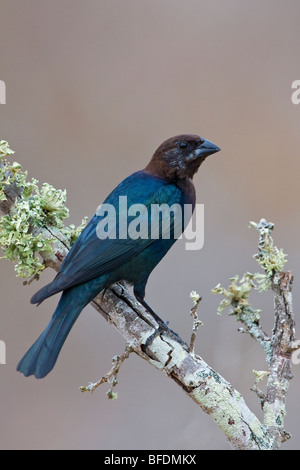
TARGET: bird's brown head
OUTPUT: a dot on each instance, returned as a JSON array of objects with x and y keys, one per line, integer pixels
[{"x": 180, "y": 157}]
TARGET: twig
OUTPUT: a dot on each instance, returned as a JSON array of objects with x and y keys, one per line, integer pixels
[
  {"x": 259, "y": 376},
  {"x": 196, "y": 322},
  {"x": 35, "y": 277},
  {"x": 113, "y": 373}
]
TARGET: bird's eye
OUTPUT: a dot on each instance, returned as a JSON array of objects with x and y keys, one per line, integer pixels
[{"x": 182, "y": 145}]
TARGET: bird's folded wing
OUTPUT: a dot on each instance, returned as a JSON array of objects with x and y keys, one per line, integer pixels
[{"x": 91, "y": 257}]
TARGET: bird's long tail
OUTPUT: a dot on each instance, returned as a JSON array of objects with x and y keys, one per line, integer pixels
[{"x": 41, "y": 357}]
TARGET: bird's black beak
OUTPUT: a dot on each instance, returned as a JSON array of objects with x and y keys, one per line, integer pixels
[{"x": 206, "y": 148}]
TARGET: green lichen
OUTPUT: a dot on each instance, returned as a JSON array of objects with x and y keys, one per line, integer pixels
[
  {"x": 269, "y": 414},
  {"x": 7, "y": 170},
  {"x": 5, "y": 150},
  {"x": 195, "y": 297},
  {"x": 227, "y": 408},
  {"x": 208, "y": 373},
  {"x": 112, "y": 395},
  {"x": 260, "y": 375},
  {"x": 72, "y": 232},
  {"x": 236, "y": 295},
  {"x": 37, "y": 207},
  {"x": 270, "y": 258}
]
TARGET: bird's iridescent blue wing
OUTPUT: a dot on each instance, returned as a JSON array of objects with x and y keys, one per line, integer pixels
[{"x": 91, "y": 257}]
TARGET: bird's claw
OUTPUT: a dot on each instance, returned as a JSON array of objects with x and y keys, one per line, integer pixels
[{"x": 162, "y": 329}]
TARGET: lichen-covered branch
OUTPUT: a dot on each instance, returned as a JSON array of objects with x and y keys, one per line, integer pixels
[
  {"x": 32, "y": 219},
  {"x": 280, "y": 367},
  {"x": 209, "y": 390},
  {"x": 280, "y": 345},
  {"x": 33, "y": 235}
]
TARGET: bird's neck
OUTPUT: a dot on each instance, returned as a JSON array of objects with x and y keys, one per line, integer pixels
[
  {"x": 188, "y": 189},
  {"x": 164, "y": 172},
  {"x": 186, "y": 184}
]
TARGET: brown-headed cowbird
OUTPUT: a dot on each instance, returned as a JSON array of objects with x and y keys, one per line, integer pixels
[{"x": 95, "y": 261}]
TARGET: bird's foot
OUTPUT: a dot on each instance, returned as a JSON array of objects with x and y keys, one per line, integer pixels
[{"x": 163, "y": 329}]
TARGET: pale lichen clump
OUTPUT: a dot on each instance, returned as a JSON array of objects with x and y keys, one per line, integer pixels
[
  {"x": 236, "y": 295},
  {"x": 270, "y": 258},
  {"x": 35, "y": 208},
  {"x": 72, "y": 232},
  {"x": 5, "y": 151},
  {"x": 195, "y": 297}
]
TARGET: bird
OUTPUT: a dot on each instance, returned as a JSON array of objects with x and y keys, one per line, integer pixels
[{"x": 94, "y": 262}]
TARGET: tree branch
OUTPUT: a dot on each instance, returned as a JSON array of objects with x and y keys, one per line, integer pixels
[{"x": 283, "y": 339}]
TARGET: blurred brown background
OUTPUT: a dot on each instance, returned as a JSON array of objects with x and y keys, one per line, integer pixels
[{"x": 93, "y": 87}]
